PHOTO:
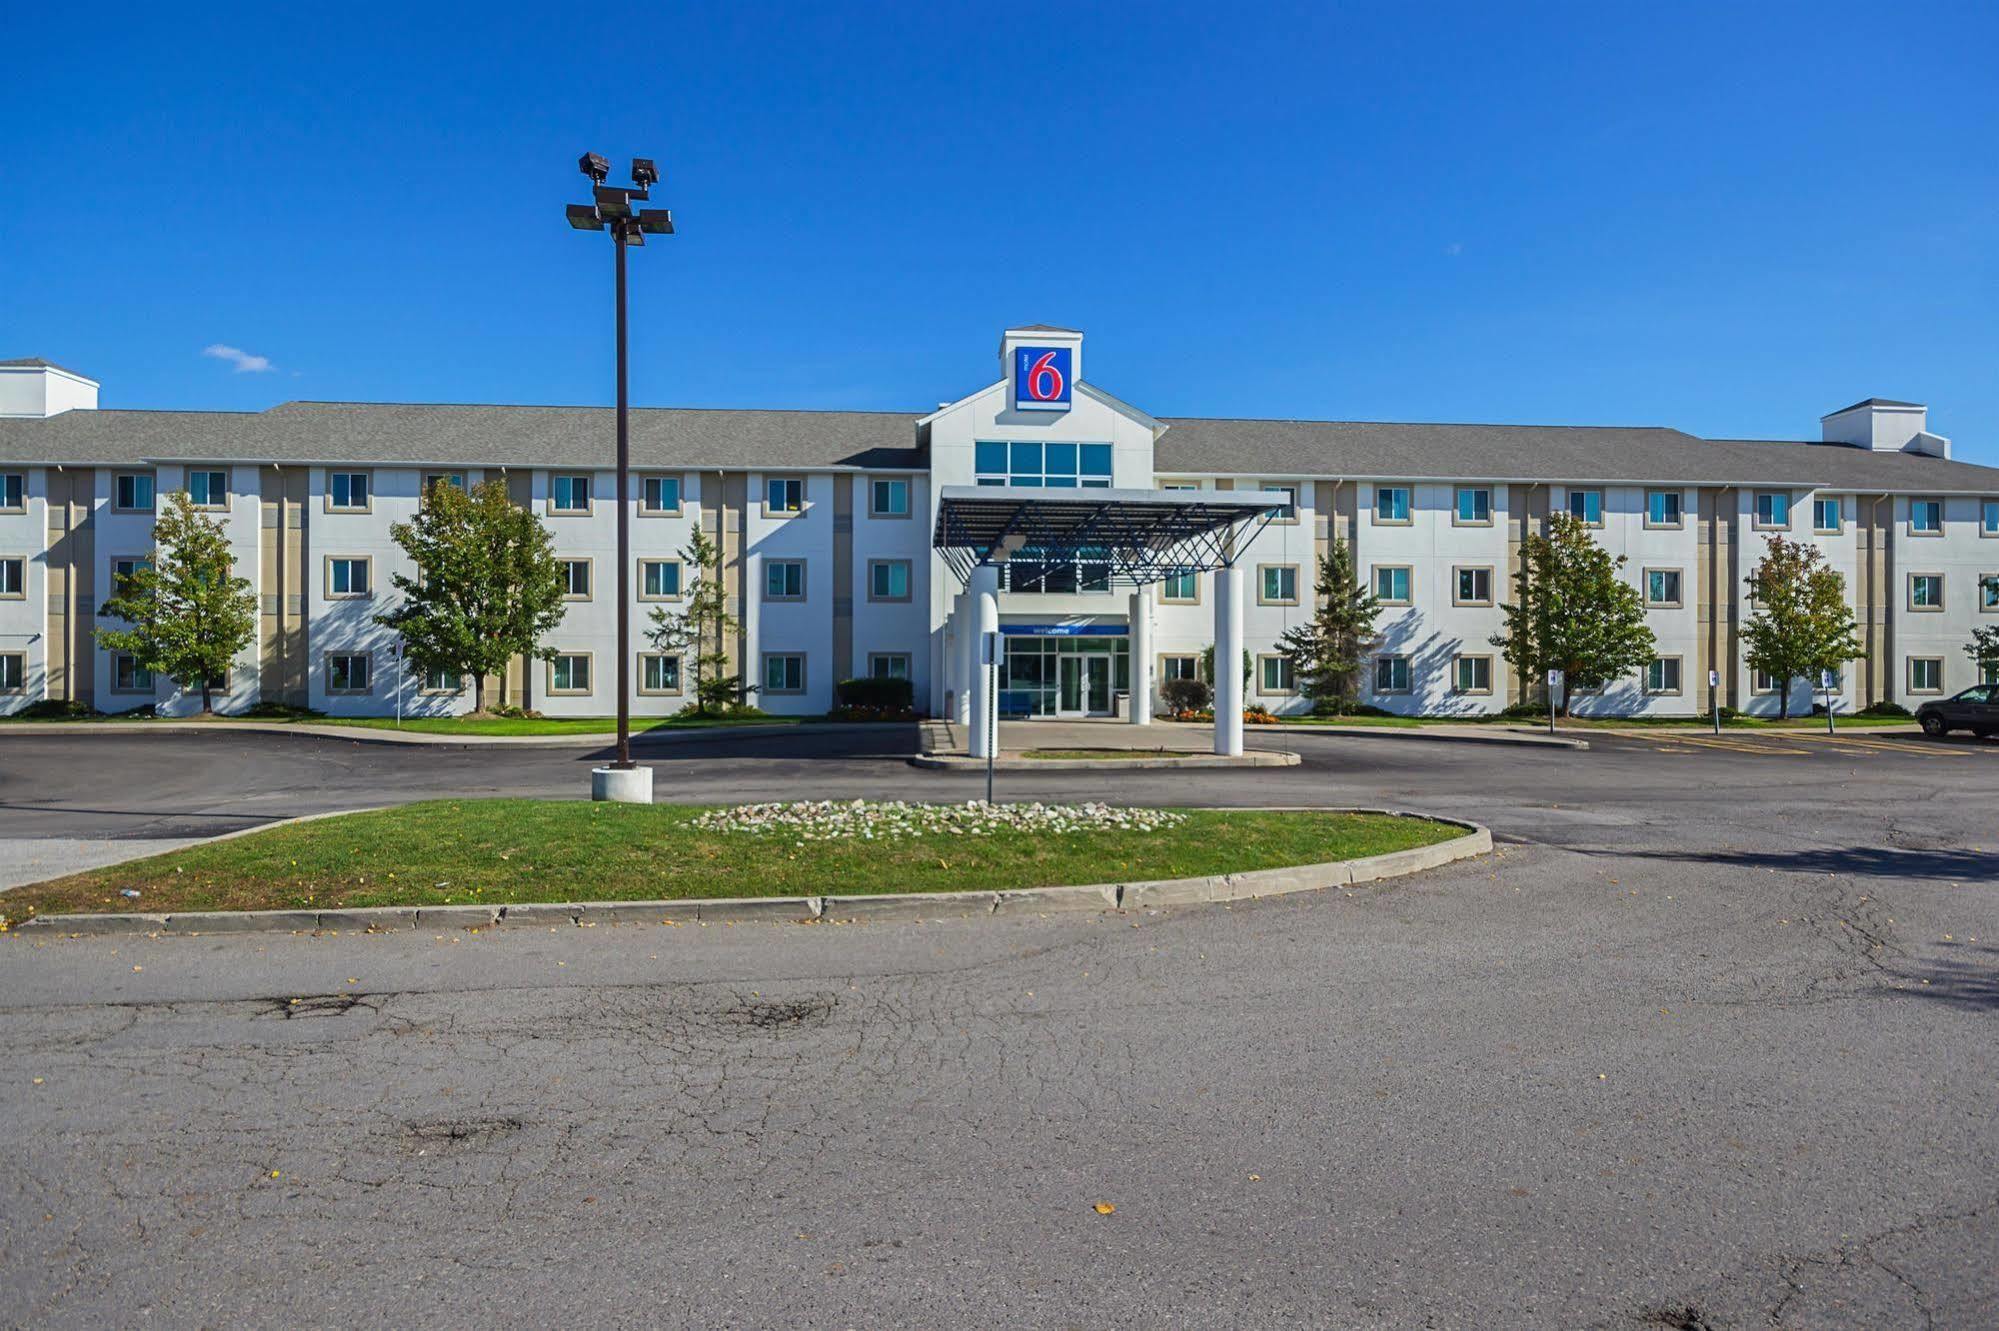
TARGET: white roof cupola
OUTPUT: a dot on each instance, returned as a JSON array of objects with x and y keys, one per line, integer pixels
[
  {"x": 34, "y": 387},
  {"x": 1882, "y": 425}
]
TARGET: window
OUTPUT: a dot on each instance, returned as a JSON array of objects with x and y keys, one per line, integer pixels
[
  {"x": 1473, "y": 674},
  {"x": 347, "y": 578},
  {"x": 127, "y": 676},
  {"x": 888, "y": 497},
  {"x": 1926, "y": 674},
  {"x": 433, "y": 479},
  {"x": 1472, "y": 586},
  {"x": 1289, "y": 511},
  {"x": 569, "y": 672},
  {"x": 659, "y": 495},
  {"x": 1278, "y": 584},
  {"x": 14, "y": 577},
  {"x": 783, "y": 496},
  {"x": 1586, "y": 506},
  {"x": 1391, "y": 674},
  {"x": 888, "y": 665},
  {"x": 1662, "y": 586},
  {"x": 13, "y": 492},
  {"x": 569, "y": 494},
  {"x": 208, "y": 489},
  {"x": 575, "y": 579},
  {"x": 1828, "y": 515},
  {"x": 13, "y": 672},
  {"x": 659, "y": 673},
  {"x": 135, "y": 491},
  {"x": 1988, "y": 509},
  {"x": 888, "y": 579},
  {"x": 1662, "y": 675},
  {"x": 1030, "y": 571},
  {"x": 1926, "y": 591},
  {"x": 1988, "y": 592},
  {"x": 1179, "y": 667},
  {"x": 1391, "y": 584},
  {"x": 1926, "y": 517},
  {"x": 784, "y": 672},
  {"x": 1182, "y": 587},
  {"x": 784, "y": 580},
  {"x": 1762, "y": 681},
  {"x": 122, "y": 572},
  {"x": 1180, "y": 485},
  {"x": 347, "y": 491},
  {"x": 443, "y": 681},
  {"x": 1474, "y": 508},
  {"x": 1773, "y": 508},
  {"x": 1391, "y": 503},
  {"x": 659, "y": 579},
  {"x": 1055, "y": 466},
  {"x": 1273, "y": 675},
  {"x": 1662, "y": 508},
  {"x": 348, "y": 672}
]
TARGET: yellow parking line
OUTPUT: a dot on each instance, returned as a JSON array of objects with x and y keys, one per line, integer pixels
[
  {"x": 1864, "y": 744},
  {"x": 1738, "y": 744}
]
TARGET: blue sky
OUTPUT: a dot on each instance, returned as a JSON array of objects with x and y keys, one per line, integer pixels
[{"x": 1729, "y": 220}]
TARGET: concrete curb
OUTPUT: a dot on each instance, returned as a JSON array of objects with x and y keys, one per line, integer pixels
[
  {"x": 1514, "y": 738},
  {"x": 881, "y": 909},
  {"x": 1140, "y": 759},
  {"x": 370, "y": 735}
]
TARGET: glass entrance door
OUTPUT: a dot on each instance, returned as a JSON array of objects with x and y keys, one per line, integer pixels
[{"x": 1085, "y": 686}]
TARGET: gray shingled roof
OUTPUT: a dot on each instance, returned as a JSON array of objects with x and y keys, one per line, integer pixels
[
  {"x": 37, "y": 363},
  {"x": 675, "y": 437},
  {"x": 1391, "y": 450},
  {"x": 470, "y": 436}
]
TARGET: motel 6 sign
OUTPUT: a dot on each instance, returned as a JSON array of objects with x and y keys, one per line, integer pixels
[{"x": 1042, "y": 379}]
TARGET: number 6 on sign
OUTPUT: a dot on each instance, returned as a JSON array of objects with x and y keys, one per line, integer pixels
[{"x": 1041, "y": 378}]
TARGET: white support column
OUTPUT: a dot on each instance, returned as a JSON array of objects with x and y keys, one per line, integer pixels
[
  {"x": 983, "y": 593},
  {"x": 957, "y": 667},
  {"x": 1228, "y": 661},
  {"x": 1139, "y": 713}
]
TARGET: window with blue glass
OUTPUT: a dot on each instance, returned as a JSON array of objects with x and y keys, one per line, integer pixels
[
  {"x": 1988, "y": 521},
  {"x": 1182, "y": 585},
  {"x": 1662, "y": 508},
  {"x": 1773, "y": 508},
  {"x": 1052, "y": 466},
  {"x": 1474, "y": 507},
  {"x": 1391, "y": 503},
  {"x": 1586, "y": 506},
  {"x": 1827, "y": 515}
]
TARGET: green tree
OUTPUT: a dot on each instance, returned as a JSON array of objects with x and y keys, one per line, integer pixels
[
  {"x": 1801, "y": 624},
  {"x": 698, "y": 632},
  {"x": 1573, "y": 612},
  {"x": 1208, "y": 666},
  {"x": 488, "y": 584},
  {"x": 187, "y": 613},
  {"x": 1984, "y": 652},
  {"x": 1328, "y": 650}
]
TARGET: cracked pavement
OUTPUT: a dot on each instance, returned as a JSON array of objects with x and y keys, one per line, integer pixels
[{"x": 1707, "y": 1043}]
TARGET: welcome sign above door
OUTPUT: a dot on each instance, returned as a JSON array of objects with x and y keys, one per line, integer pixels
[{"x": 1042, "y": 380}]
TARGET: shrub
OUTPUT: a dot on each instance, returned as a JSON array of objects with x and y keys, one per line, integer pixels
[
  {"x": 56, "y": 709},
  {"x": 869, "y": 692},
  {"x": 1348, "y": 707},
  {"x": 1185, "y": 695},
  {"x": 1256, "y": 714},
  {"x": 1884, "y": 709},
  {"x": 278, "y": 711},
  {"x": 1525, "y": 711}
]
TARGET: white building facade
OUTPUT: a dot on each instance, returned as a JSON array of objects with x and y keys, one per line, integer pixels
[{"x": 825, "y": 524}]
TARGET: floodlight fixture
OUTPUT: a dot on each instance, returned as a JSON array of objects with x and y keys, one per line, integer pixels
[
  {"x": 584, "y": 217},
  {"x": 659, "y": 221},
  {"x": 644, "y": 174},
  {"x": 594, "y": 165}
]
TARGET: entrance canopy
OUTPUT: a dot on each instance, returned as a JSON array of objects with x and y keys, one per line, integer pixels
[{"x": 1142, "y": 536}]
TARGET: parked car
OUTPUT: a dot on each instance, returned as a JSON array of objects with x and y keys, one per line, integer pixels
[{"x": 1976, "y": 709}]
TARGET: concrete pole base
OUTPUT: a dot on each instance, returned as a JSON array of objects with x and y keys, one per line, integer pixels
[{"x": 621, "y": 785}]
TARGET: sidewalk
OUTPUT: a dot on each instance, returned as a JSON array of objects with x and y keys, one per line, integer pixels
[{"x": 946, "y": 739}]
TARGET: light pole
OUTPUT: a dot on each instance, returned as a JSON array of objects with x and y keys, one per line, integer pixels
[{"x": 611, "y": 210}]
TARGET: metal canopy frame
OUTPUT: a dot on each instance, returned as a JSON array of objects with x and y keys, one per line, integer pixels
[{"x": 1142, "y": 536}]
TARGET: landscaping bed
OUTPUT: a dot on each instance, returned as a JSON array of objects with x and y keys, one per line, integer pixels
[{"x": 503, "y": 852}]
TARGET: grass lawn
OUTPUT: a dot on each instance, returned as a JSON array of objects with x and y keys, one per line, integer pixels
[
  {"x": 458, "y": 725},
  {"x": 504, "y": 851}
]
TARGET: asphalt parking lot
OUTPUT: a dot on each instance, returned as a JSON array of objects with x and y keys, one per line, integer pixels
[{"x": 1706, "y": 1043}]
